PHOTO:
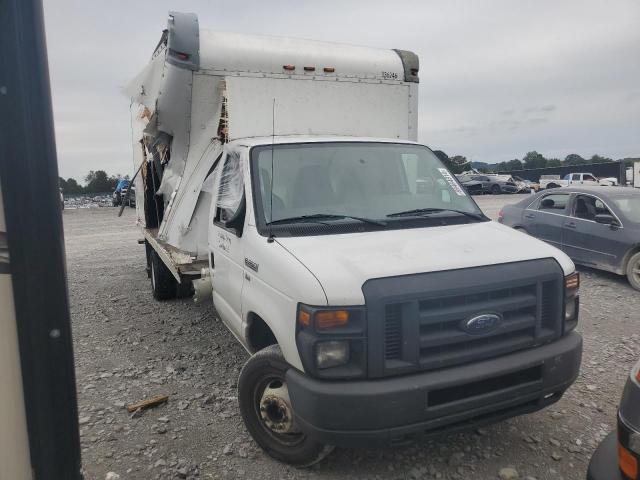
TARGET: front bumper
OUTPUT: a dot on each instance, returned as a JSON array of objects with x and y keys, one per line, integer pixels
[
  {"x": 398, "y": 409},
  {"x": 604, "y": 463}
]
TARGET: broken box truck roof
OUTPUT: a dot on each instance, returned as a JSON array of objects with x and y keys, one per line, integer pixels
[{"x": 202, "y": 89}]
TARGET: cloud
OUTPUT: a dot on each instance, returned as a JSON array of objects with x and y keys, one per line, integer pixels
[{"x": 563, "y": 73}]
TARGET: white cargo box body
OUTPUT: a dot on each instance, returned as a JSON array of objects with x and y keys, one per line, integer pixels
[{"x": 204, "y": 88}]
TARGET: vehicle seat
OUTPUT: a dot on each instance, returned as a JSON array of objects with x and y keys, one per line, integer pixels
[
  {"x": 312, "y": 187},
  {"x": 585, "y": 209}
]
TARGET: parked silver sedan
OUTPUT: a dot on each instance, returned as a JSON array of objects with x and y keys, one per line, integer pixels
[{"x": 596, "y": 226}]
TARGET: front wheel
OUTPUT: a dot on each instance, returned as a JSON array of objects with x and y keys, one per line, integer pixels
[
  {"x": 633, "y": 271},
  {"x": 267, "y": 413},
  {"x": 495, "y": 189}
]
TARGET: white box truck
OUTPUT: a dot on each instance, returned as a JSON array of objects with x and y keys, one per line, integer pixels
[{"x": 376, "y": 300}]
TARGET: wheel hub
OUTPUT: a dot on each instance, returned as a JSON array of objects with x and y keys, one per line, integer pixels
[{"x": 275, "y": 408}]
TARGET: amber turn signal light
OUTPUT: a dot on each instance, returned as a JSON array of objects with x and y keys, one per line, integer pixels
[
  {"x": 572, "y": 282},
  {"x": 331, "y": 319},
  {"x": 627, "y": 462},
  {"x": 304, "y": 318}
]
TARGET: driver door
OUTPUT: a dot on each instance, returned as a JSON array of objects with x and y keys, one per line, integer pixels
[{"x": 226, "y": 249}]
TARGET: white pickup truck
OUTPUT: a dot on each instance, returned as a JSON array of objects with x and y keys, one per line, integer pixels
[
  {"x": 376, "y": 300},
  {"x": 554, "y": 181}
]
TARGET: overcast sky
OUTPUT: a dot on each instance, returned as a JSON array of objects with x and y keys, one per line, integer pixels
[{"x": 498, "y": 78}]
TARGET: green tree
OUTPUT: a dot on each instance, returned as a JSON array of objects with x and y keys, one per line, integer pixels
[
  {"x": 600, "y": 159},
  {"x": 72, "y": 187},
  {"x": 459, "y": 164},
  {"x": 454, "y": 164},
  {"x": 514, "y": 164},
  {"x": 554, "y": 162},
  {"x": 534, "y": 160},
  {"x": 99, "y": 182},
  {"x": 574, "y": 159}
]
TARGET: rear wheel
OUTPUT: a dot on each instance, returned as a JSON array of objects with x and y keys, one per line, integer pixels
[
  {"x": 495, "y": 189},
  {"x": 163, "y": 283},
  {"x": 267, "y": 413},
  {"x": 633, "y": 271}
]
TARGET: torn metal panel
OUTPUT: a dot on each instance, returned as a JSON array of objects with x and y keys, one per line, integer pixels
[{"x": 223, "y": 87}]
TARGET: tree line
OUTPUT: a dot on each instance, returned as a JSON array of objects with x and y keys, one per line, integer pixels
[
  {"x": 97, "y": 181},
  {"x": 458, "y": 163}
]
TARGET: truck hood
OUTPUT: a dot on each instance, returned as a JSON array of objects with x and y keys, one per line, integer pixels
[{"x": 342, "y": 263}]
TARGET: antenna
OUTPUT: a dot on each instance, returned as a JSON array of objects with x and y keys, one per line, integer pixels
[{"x": 273, "y": 139}]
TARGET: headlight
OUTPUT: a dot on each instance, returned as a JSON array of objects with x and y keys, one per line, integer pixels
[
  {"x": 332, "y": 342},
  {"x": 571, "y": 301},
  {"x": 332, "y": 354}
]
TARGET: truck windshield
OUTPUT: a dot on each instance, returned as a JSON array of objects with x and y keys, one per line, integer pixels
[{"x": 371, "y": 181}]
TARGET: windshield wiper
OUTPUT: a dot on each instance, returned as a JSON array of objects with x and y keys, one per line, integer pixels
[
  {"x": 417, "y": 212},
  {"x": 326, "y": 216}
]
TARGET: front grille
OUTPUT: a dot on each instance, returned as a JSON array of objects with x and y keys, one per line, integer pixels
[
  {"x": 426, "y": 329},
  {"x": 392, "y": 332}
]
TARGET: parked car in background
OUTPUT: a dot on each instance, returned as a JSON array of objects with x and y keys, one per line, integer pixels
[
  {"x": 120, "y": 194},
  {"x": 473, "y": 187},
  {"x": 488, "y": 183},
  {"x": 618, "y": 456},
  {"x": 586, "y": 179},
  {"x": 525, "y": 185},
  {"x": 596, "y": 227}
]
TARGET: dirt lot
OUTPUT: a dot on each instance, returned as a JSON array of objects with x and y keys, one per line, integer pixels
[{"x": 129, "y": 347}]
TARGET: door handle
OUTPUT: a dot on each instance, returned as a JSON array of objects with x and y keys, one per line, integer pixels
[
  {"x": 571, "y": 225},
  {"x": 530, "y": 215}
]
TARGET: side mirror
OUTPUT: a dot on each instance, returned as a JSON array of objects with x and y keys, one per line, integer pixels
[
  {"x": 606, "y": 219},
  {"x": 236, "y": 222}
]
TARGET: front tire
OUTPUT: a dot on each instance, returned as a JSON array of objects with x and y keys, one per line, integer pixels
[
  {"x": 633, "y": 271},
  {"x": 495, "y": 190},
  {"x": 267, "y": 413}
]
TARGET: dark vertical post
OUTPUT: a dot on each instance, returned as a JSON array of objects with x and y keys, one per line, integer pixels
[{"x": 29, "y": 176}]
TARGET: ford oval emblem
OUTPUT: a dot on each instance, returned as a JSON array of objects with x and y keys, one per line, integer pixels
[{"x": 481, "y": 324}]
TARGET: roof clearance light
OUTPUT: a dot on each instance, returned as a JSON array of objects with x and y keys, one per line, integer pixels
[
  {"x": 289, "y": 67},
  {"x": 309, "y": 69},
  {"x": 329, "y": 69}
]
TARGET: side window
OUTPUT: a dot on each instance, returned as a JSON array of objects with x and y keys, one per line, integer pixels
[
  {"x": 554, "y": 203},
  {"x": 230, "y": 188},
  {"x": 576, "y": 177},
  {"x": 589, "y": 178},
  {"x": 587, "y": 207}
]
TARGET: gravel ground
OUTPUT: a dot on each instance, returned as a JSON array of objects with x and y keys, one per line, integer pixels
[{"x": 129, "y": 347}]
